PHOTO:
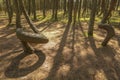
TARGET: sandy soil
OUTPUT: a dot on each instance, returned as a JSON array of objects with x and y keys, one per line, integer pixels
[{"x": 69, "y": 54}]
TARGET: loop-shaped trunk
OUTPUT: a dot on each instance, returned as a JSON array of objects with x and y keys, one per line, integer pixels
[
  {"x": 31, "y": 37},
  {"x": 110, "y": 32}
]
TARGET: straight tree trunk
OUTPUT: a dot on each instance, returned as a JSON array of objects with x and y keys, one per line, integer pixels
[
  {"x": 56, "y": 9},
  {"x": 79, "y": 9},
  {"x": 92, "y": 18},
  {"x": 70, "y": 9},
  {"x": 53, "y": 9},
  {"x": 44, "y": 8},
  {"x": 75, "y": 10},
  {"x": 29, "y": 7},
  {"x": 34, "y": 9},
  {"x": 9, "y": 10},
  {"x": 64, "y": 7}
]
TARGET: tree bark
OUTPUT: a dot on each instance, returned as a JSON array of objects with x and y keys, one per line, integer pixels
[
  {"x": 34, "y": 9},
  {"x": 92, "y": 18},
  {"x": 70, "y": 9},
  {"x": 33, "y": 27},
  {"x": 29, "y": 7},
  {"x": 108, "y": 13},
  {"x": 64, "y": 7},
  {"x": 44, "y": 8},
  {"x": 9, "y": 10},
  {"x": 110, "y": 33}
]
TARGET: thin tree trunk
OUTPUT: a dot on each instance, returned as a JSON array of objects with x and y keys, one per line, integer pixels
[
  {"x": 75, "y": 10},
  {"x": 9, "y": 10},
  {"x": 107, "y": 14},
  {"x": 56, "y": 9},
  {"x": 64, "y": 7},
  {"x": 92, "y": 18},
  {"x": 29, "y": 7},
  {"x": 33, "y": 27},
  {"x": 79, "y": 9},
  {"x": 34, "y": 9},
  {"x": 44, "y": 8},
  {"x": 70, "y": 9},
  {"x": 53, "y": 9}
]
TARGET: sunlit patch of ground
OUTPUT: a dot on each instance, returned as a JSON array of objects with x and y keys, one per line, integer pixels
[{"x": 77, "y": 57}]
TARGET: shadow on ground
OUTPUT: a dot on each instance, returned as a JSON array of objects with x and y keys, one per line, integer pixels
[
  {"x": 75, "y": 62},
  {"x": 106, "y": 61},
  {"x": 73, "y": 56},
  {"x": 59, "y": 57},
  {"x": 13, "y": 70}
]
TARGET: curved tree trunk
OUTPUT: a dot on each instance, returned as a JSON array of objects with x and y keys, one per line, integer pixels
[
  {"x": 107, "y": 27},
  {"x": 108, "y": 14},
  {"x": 31, "y": 37},
  {"x": 26, "y": 46},
  {"x": 110, "y": 33},
  {"x": 33, "y": 27},
  {"x": 26, "y": 37}
]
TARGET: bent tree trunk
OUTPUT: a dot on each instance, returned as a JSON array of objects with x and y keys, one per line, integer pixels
[
  {"x": 33, "y": 27},
  {"x": 26, "y": 46},
  {"x": 31, "y": 37},
  {"x": 108, "y": 14},
  {"x": 26, "y": 37},
  {"x": 107, "y": 27},
  {"x": 110, "y": 33}
]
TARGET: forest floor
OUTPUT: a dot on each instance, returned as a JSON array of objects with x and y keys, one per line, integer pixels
[{"x": 69, "y": 54}]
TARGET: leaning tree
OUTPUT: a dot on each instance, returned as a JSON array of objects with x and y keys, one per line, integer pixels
[{"x": 106, "y": 26}]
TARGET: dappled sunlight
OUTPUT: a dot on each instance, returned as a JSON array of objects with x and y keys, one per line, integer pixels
[
  {"x": 2, "y": 27},
  {"x": 67, "y": 54},
  {"x": 117, "y": 56},
  {"x": 63, "y": 70},
  {"x": 70, "y": 54},
  {"x": 100, "y": 75},
  {"x": 83, "y": 54},
  {"x": 50, "y": 45},
  {"x": 98, "y": 37},
  {"x": 28, "y": 61},
  {"x": 10, "y": 36},
  {"x": 82, "y": 59}
]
